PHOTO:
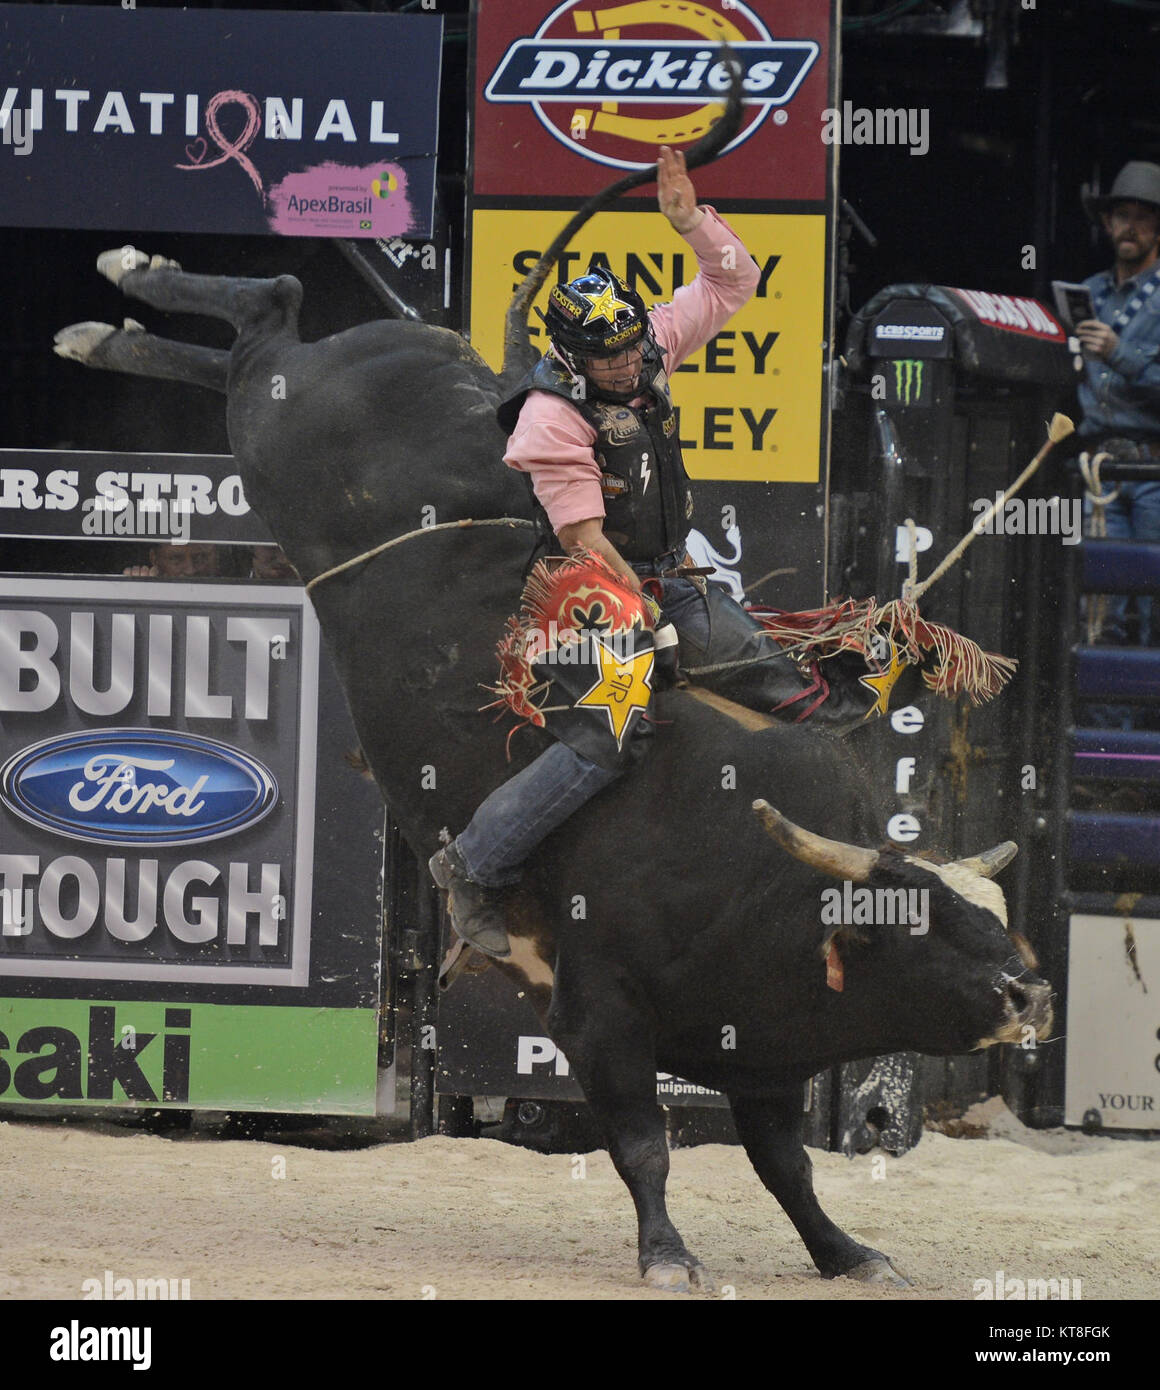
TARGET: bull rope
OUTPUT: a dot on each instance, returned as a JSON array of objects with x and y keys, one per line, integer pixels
[
  {"x": 410, "y": 535},
  {"x": 1059, "y": 428},
  {"x": 1090, "y": 468}
]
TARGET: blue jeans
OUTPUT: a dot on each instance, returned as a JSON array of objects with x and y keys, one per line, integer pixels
[
  {"x": 525, "y": 810},
  {"x": 1134, "y": 515},
  {"x": 513, "y": 820}
]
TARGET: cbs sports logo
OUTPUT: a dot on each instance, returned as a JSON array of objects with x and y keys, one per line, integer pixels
[{"x": 615, "y": 83}]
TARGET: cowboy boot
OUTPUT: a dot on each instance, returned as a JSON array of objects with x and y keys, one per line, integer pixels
[{"x": 476, "y": 911}]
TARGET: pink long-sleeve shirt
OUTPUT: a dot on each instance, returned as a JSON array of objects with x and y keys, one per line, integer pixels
[{"x": 554, "y": 443}]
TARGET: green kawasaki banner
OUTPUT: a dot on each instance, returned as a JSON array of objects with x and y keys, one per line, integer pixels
[{"x": 200, "y": 1056}]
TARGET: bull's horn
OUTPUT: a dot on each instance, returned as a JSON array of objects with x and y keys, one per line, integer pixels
[
  {"x": 991, "y": 860},
  {"x": 831, "y": 856}
]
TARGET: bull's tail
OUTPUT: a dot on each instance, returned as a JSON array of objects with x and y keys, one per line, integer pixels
[{"x": 518, "y": 353}]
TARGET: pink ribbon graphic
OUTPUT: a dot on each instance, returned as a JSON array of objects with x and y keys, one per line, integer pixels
[{"x": 230, "y": 149}]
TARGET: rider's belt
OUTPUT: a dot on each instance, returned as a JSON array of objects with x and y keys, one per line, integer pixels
[
  {"x": 662, "y": 566},
  {"x": 672, "y": 566},
  {"x": 687, "y": 571}
]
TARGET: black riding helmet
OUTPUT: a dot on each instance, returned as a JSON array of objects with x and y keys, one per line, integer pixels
[{"x": 595, "y": 315}]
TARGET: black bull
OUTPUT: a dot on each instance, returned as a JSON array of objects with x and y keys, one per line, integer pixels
[{"x": 700, "y": 948}]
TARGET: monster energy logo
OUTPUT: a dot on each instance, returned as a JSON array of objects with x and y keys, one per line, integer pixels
[{"x": 908, "y": 379}]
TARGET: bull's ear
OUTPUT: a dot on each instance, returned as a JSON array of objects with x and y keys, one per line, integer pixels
[
  {"x": 830, "y": 856},
  {"x": 992, "y": 860}
]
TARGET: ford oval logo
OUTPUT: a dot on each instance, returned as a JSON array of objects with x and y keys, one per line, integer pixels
[{"x": 137, "y": 787}]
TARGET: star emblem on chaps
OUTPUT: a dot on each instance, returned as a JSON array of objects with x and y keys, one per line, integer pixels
[
  {"x": 621, "y": 687},
  {"x": 605, "y": 305},
  {"x": 883, "y": 683}
]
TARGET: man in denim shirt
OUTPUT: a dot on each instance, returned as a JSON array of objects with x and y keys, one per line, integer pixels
[{"x": 1120, "y": 391}]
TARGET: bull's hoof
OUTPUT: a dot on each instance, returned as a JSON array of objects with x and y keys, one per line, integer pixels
[
  {"x": 114, "y": 265},
  {"x": 877, "y": 1271},
  {"x": 80, "y": 340},
  {"x": 679, "y": 1278}
]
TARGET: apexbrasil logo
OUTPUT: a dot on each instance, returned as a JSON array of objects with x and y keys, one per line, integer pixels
[{"x": 584, "y": 64}]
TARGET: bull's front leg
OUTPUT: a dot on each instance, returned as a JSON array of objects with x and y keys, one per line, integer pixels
[
  {"x": 609, "y": 1044},
  {"x": 770, "y": 1127}
]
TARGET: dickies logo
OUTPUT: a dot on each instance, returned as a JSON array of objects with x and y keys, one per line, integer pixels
[
  {"x": 141, "y": 787},
  {"x": 660, "y": 60}
]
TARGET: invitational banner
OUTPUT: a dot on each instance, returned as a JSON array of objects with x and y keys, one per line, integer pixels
[{"x": 215, "y": 121}]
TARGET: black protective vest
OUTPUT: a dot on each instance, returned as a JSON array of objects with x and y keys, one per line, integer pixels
[{"x": 647, "y": 500}]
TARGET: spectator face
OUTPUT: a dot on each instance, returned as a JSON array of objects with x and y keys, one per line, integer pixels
[
  {"x": 1134, "y": 229},
  {"x": 268, "y": 562},
  {"x": 193, "y": 561}
]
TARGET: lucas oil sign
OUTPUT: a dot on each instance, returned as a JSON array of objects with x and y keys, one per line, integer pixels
[{"x": 157, "y": 763}]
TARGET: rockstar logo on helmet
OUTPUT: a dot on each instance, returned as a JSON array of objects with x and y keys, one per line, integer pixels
[{"x": 605, "y": 305}]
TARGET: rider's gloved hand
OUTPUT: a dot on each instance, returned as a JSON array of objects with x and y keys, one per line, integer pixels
[
  {"x": 666, "y": 659},
  {"x": 666, "y": 671}
]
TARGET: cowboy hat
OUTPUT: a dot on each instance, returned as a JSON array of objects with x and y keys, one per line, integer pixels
[{"x": 1137, "y": 180}]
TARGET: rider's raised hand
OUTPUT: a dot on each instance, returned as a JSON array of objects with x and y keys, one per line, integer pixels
[{"x": 676, "y": 197}]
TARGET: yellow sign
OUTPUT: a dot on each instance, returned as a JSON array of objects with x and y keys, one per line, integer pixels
[{"x": 750, "y": 400}]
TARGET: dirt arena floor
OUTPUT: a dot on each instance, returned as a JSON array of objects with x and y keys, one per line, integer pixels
[{"x": 468, "y": 1219}]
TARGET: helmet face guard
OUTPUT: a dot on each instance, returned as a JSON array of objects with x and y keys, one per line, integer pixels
[{"x": 596, "y": 316}]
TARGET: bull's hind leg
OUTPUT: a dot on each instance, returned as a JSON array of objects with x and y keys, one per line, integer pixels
[
  {"x": 770, "y": 1127},
  {"x": 131, "y": 349},
  {"x": 266, "y": 305},
  {"x": 608, "y": 1043}
]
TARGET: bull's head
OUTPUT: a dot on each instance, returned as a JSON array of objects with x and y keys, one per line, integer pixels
[{"x": 986, "y": 978}]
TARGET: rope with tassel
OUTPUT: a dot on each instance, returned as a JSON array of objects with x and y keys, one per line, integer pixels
[{"x": 960, "y": 666}]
